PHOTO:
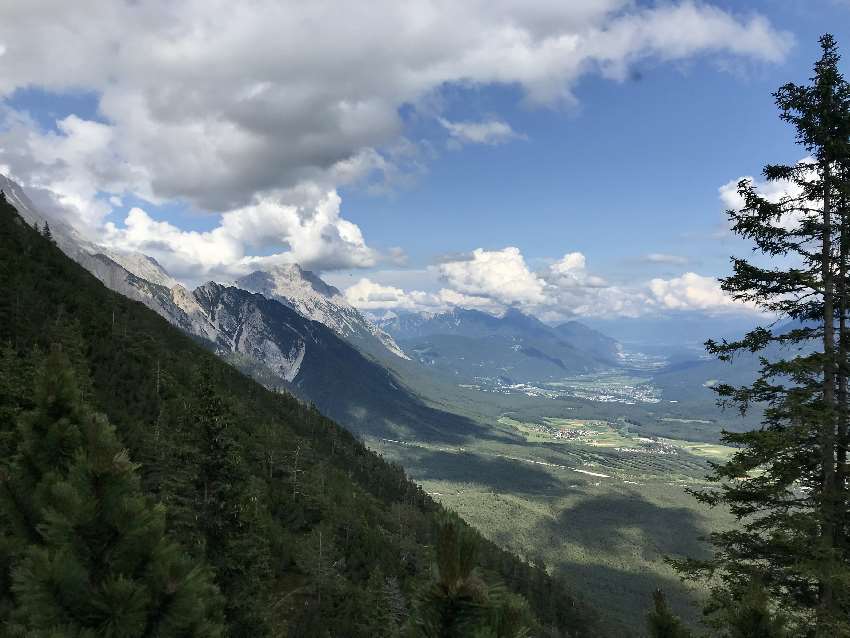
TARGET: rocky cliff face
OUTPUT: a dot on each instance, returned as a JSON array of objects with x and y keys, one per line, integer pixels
[{"x": 306, "y": 293}]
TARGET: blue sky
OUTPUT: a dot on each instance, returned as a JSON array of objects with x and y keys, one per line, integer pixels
[
  {"x": 353, "y": 149},
  {"x": 634, "y": 168}
]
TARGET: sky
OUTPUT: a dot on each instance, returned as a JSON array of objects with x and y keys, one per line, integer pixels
[{"x": 572, "y": 159}]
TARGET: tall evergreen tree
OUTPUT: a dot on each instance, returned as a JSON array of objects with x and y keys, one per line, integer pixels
[
  {"x": 230, "y": 512},
  {"x": 787, "y": 483},
  {"x": 91, "y": 555},
  {"x": 662, "y": 622},
  {"x": 452, "y": 605},
  {"x": 459, "y": 602},
  {"x": 750, "y": 616}
]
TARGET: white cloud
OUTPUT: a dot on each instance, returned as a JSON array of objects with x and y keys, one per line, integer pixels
[
  {"x": 214, "y": 101},
  {"x": 691, "y": 291},
  {"x": 774, "y": 191},
  {"x": 497, "y": 279},
  {"x": 501, "y": 275},
  {"x": 490, "y": 132},
  {"x": 311, "y": 234},
  {"x": 571, "y": 272},
  {"x": 664, "y": 258},
  {"x": 369, "y": 295},
  {"x": 240, "y": 108}
]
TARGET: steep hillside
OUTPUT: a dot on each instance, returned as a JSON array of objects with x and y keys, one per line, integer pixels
[{"x": 331, "y": 536}]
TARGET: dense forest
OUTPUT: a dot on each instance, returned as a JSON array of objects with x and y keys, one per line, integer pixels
[{"x": 149, "y": 489}]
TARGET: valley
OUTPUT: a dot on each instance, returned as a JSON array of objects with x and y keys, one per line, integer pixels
[
  {"x": 556, "y": 442},
  {"x": 425, "y": 319},
  {"x": 581, "y": 490}
]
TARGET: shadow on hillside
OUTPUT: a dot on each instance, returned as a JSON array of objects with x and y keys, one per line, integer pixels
[
  {"x": 623, "y": 598},
  {"x": 600, "y": 522},
  {"x": 500, "y": 475},
  {"x": 609, "y": 525},
  {"x": 405, "y": 416}
]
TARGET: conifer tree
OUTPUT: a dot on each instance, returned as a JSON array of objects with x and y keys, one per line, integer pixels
[
  {"x": 452, "y": 605},
  {"x": 750, "y": 616},
  {"x": 459, "y": 602},
  {"x": 230, "y": 512},
  {"x": 787, "y": 483},
  {"x": 92, "y": 555},
  {"x": 662, "y": 622}
]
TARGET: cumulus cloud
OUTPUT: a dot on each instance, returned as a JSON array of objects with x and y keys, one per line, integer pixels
[
  {"x": 214, "y": 101},
  {"x": 774, "y": 191},
  {"x": 237, "y": 108},
  {"x": 501, "y": 275},
  {"x": 571, "y": 272},
  {"x": 497, "y": 279},
  {"x": 691, "y": 291},
  {"x": 369, "y": 295},
  {"x": 312, "y": 234}
]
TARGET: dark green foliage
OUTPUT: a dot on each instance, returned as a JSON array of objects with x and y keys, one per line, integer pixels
[
  {"x": 748, "y": 615},
  {"x": 662, "y": 622},
  {"x": 787, "y": 485},
  {"x": 293, "y": 513},
  {"x": 459, "y": 602},
  {"x": 89, "y": 551}
]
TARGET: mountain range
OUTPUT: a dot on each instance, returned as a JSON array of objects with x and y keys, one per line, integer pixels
[
  {"x": 291, "y": 330},
  {"x": 512, "y": 348},
  {"x": 285, "y": 521}
]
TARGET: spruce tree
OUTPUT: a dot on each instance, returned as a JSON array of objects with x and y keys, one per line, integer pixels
[
  {"x": 91, "y": 555},
  {"x": 231, "y": 512},
  {"x": 459, "y": 602},
  {"x": 662, "y": 622},
  {"x": 453, "y": 604},
  {"x": 750, "y": 616},
  {"x": 787, "y": 483}
]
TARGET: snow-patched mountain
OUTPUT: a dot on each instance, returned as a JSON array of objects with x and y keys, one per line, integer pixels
[{"x": 305, "y": 292}]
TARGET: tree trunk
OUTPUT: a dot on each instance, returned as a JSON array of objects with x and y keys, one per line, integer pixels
[
  {"x": 827, "y": 430},
  {"x": 840, "y": 531}
]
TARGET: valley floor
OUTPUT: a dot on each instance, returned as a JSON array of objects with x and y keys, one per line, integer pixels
[{"x": 596, "y": 499}]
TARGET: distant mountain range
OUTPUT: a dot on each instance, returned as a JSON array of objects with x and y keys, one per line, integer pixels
[
  {"x": 512, "y": 348},
  {"x": 295, "y": 332},
  {"x": 290, "y": 329}
]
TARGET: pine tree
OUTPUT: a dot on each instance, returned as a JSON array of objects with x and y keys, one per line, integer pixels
[
  {"x": 453, "y": 604},
  {"x": 92, "y": 555},
  {"x": 787, "y": 483},
  {"x": 662, "y": 622},
  {"x": 459, "y": 602},
  {"x": 230, "y": 512},
  {"x": 380, "y": 617},
  {"x": 750, "y": 616}
]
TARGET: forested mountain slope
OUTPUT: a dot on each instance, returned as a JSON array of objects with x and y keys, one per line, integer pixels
[{"x": 307, "y": 532}]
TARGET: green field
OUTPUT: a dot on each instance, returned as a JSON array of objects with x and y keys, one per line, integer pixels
[{"x": 592, "y": 498}]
